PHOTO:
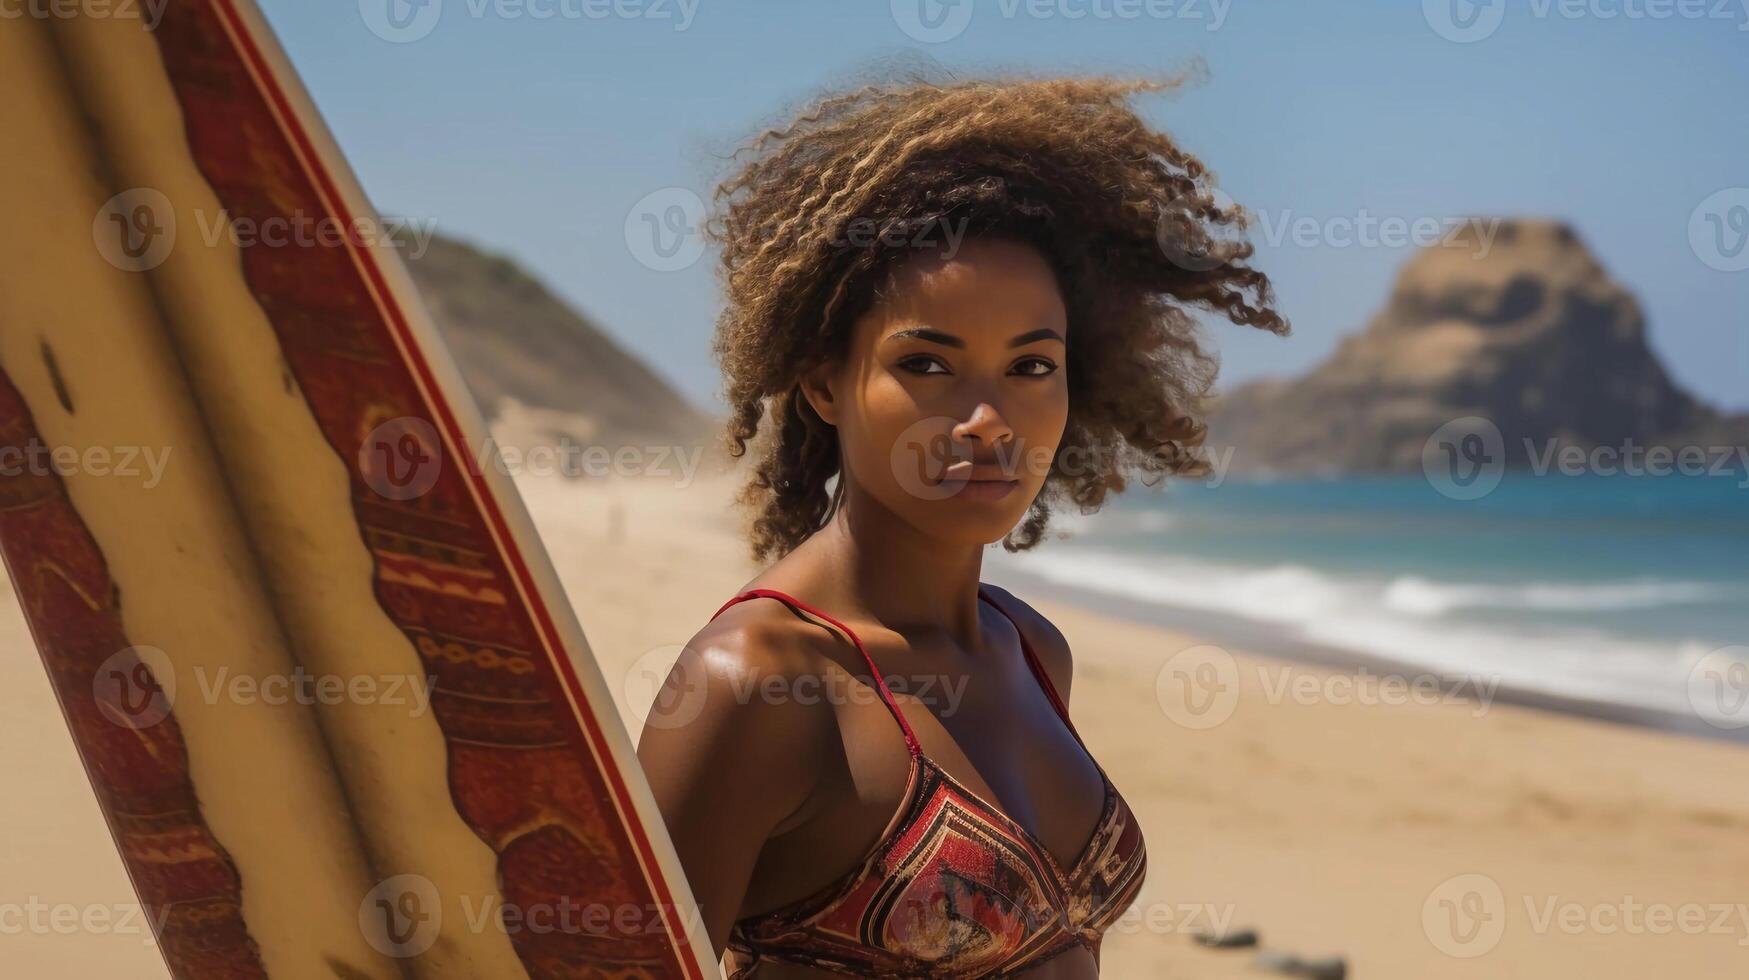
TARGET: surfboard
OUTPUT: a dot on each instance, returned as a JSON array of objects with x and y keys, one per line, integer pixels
[{"x": 333, "y": 704}]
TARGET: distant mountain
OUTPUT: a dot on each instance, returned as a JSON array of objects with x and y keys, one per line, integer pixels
[
  {"x": 525, "y": 353},
  {"x": 1529, "y": 332}
]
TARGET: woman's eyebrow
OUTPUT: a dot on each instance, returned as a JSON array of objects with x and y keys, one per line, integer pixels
[
  {"x": 1042, "y": 333},
  {"x": 949, "y": 340},
  {"x": 925, "y": 333}
]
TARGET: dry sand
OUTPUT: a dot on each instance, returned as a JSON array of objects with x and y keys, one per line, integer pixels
[{"x": 1441, "y": 837}]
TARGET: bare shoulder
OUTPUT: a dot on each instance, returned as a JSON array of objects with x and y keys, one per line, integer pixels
[
  {"x": 1048, "y": 642},
  {"x": 735, "y": 672}
]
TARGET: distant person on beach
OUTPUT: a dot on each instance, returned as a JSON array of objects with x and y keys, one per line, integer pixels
[{"x": 950, "y": 308}]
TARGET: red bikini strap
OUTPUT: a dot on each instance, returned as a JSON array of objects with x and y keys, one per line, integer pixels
[
  {"x": 1038, "y": 671},
  {"x": 911, "y": 742}
]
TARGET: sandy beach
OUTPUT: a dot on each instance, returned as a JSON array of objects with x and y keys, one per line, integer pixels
[{"x": 1413, "y": 831}]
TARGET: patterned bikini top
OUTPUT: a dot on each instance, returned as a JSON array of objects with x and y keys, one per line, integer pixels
[{"x": 953, "y": 888}]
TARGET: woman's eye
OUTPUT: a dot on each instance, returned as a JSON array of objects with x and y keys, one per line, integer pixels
[
  {"x": 923, "y": 364},
  {"x": 1036, "y": 367}
]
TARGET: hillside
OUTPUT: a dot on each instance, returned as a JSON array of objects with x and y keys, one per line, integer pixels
[
  {"x": 523, "y": 351},
  {"x": 1531, "y": 333}
]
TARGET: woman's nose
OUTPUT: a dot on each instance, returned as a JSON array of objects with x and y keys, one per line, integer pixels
[{"x": 984, "y": 424}]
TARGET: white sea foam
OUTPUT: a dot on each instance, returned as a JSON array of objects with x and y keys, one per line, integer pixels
[
  {"x": 1412, "y": 620},
  {"x": 1420, "y": 597}
]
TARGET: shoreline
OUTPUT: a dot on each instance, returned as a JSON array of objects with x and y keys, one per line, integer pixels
[{"x": 1270, "y": 642}]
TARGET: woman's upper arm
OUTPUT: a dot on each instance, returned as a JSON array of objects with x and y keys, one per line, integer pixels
[{"x": 728, "y": 760}]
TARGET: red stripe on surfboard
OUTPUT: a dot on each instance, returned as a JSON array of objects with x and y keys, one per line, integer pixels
[{"x": 293, "y": 128}]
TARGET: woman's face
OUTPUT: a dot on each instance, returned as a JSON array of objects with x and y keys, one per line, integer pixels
[{"x": 954, "y": 395}]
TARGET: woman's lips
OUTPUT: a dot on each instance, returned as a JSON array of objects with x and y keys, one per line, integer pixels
[
  {"x": 978, "y": 481},
  {"x": 970, "y": 471},
  {"x": 986, "y": 489}
]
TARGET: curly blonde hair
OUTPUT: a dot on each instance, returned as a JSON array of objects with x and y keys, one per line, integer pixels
[{"x": 1127, "y": 219}]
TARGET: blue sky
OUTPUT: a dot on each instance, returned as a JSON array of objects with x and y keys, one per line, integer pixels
[{"x": 535, "y": 127}]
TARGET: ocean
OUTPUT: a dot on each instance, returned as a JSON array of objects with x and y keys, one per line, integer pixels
[{"x": 1624, "y": 591}]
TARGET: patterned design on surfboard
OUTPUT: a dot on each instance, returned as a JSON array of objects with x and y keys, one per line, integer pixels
[{"x": 130, "y": 744}]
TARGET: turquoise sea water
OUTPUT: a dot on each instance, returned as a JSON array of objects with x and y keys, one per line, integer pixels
[{"x": 1610, "y": 589}]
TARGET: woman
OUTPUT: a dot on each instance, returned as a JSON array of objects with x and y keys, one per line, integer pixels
[{"x": 966, "y": 302}]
